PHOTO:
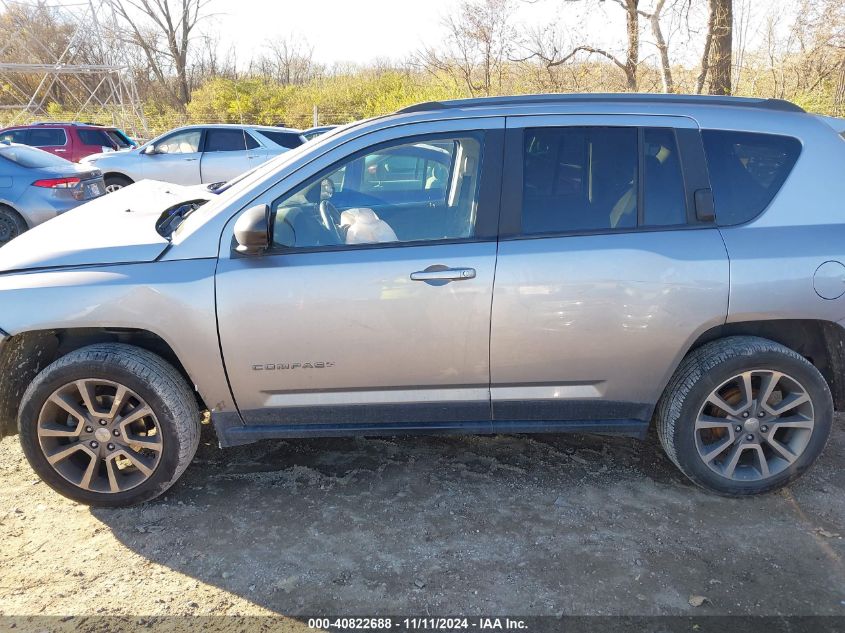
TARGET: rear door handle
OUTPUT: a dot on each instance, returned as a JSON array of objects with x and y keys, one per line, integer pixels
[{"x": 443, "y": 274}]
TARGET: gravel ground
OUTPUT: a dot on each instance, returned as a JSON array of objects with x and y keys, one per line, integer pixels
[{"x": 528, "y": 525}]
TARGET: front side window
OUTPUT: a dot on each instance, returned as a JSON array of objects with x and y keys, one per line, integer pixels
[
  {"x": 746, "y": 171},
  {"x": 95, "y": 137},
  {"x": 411, "y": 191},
  {"x": 186, "y": 142},
  {"x": 46, "y": 137},
  {"x": 226, "y": 140},
  {"x": 579, "y": 178}
]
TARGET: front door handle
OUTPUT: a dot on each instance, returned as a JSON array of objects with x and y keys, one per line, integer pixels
[
  {"x": 443, "y": 274},
  {"x": 188, "y": 160}
]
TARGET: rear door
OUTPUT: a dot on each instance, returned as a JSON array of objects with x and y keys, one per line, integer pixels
[
  {"x": 227, "y": 153},
  {"x": 51, "y": 139},
  {"x": 605, "y": 274}
]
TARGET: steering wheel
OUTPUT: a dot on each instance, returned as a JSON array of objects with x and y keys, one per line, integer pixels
[{"x": 330, "y": 217}]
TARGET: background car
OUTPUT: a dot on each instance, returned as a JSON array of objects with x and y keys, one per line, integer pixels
[
  {"x": 314, "y": 132},
  {"x": 36, "y": 186},
  {"x": 72, "y": 141},
  {"x": 196, "y": 154}
]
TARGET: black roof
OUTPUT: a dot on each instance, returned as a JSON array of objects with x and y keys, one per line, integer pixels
[{"x": 746, "y": 102}]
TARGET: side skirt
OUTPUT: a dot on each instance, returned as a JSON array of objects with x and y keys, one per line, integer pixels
[{"x": 232, "y": 433}]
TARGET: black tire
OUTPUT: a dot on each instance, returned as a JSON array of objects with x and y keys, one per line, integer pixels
[
  {"x": 11, "y": 224},
  {"x": 115, "y": 182},
  {"x": 703, "y": 371},
  {"x": 157, "y": 382}
]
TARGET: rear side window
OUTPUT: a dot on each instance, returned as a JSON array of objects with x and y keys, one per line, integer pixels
[
  {"x": 284, "y": 139},
  {"x": 746, "y": 171},
  {"x": 46, "y": 137},
  {"x": 223, "y": 140},
  {"x": 95, "y": 137},
  {"x": 579, "y": 178}
]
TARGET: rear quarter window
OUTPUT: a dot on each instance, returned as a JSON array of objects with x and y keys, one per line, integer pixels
[
  {"x": 289, "y": 140},
  {"x": 746, "y": 171}
]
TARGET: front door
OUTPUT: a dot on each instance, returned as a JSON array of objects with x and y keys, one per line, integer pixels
[
  {"x": 605, "y": 274},
  {"x": 175, "y": 158},
  {"x": 359, "y": 314}
]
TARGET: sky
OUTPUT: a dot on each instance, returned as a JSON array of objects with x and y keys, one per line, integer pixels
[
  {"x": 361, "y": 31},
  {"x": 357, "y": 31}
]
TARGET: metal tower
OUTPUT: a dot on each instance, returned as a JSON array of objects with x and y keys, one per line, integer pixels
[{"x": 101, "y": 87}]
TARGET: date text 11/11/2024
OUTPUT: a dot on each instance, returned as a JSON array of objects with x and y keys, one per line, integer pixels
[{"x": 418, "y": 624}]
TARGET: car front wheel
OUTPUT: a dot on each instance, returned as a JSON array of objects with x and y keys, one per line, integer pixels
[
  {"x": 745, "y": 415},
  {"x": 109, "y": 425}
]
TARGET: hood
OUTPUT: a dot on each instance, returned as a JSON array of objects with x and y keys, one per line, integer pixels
[
  {"x": 105, "y": 155},
  {"x": 117, "y": 228}
]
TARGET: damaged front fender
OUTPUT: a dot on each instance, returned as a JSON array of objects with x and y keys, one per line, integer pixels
[{"x": 22, "y": 357}]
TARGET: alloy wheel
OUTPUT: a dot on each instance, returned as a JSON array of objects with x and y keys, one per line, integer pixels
[
  {"x": 754, "y": 425},
  {"x": 100, "y": 436},
  {"x": 113, "y": 187}
]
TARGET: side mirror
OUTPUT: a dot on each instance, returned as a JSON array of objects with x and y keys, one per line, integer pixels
[
  {"x": 252, "y": 230},
  {"x": 149, "y": 150}
]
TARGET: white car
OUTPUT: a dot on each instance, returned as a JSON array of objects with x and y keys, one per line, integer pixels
[{"x": 196, "y": 154}]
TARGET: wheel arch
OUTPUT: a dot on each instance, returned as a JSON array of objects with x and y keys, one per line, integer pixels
[
  {"x": 820, "y": 342},
  {"x": 24, "y": 355},
  {"x": 118, "y": 174}
]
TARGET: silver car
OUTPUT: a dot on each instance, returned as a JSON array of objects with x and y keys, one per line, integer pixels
[
  {"x": 579, "y": 263},
  {"x": 195, "y": 154},
  {"x": 36, "y": 186}
]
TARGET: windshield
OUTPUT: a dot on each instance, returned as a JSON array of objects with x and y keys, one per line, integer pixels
[{"x": 30, "y": 157}]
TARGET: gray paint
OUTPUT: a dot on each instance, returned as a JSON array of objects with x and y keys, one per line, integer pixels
[{"x": 579, "y": 319}]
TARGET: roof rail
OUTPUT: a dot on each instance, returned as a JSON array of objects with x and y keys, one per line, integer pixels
[
  {"x": 73, "y": 123},
  {"x": 745, "y": 102}
]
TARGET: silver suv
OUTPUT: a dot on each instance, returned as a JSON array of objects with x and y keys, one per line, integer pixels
[
  {"x": 586, "y": 263},
  {"x": 195, "y": 154}
]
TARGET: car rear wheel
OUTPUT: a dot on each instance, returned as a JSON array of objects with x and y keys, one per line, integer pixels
[
  {"x": 113, "y": 182},
  {"x": 109, "y": 425},
  {"x": 11, "y": 225},
  {"x": 745, "y": 415}
]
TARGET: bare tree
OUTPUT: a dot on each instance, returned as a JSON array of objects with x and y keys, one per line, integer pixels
[
  {"x": 289, "y": 61},
  {"x": 545, "y": 46},
  {"x": 662, "y": 45},
  {"x": 162, "y": 30},
  {"x": 478, "y": 46}
]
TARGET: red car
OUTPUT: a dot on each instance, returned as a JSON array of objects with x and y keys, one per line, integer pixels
[{"x": 71, "y": 141}]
